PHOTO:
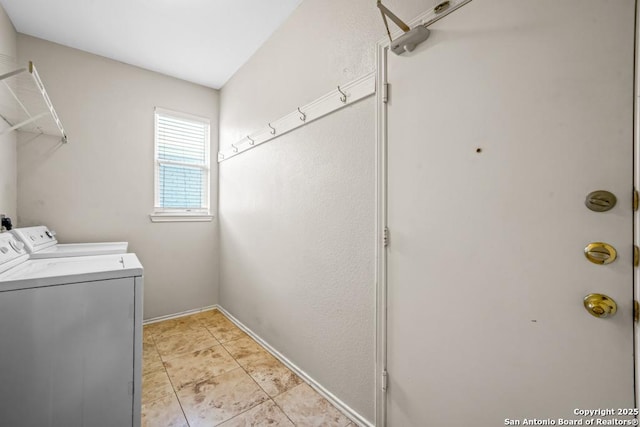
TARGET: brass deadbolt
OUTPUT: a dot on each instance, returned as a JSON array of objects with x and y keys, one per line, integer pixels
[
  {"x": 600, "y": 201},
  {"x": 599, "y": 305},
  {"x": 600, "y": 253}
]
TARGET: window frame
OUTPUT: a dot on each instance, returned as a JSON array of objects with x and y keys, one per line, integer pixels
[{"x": 163, "y": 214}]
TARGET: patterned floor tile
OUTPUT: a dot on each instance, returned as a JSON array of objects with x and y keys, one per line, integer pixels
[
  {"x": 306, "y": 408},
  {"x": 224, "y": 330},
  {"x": 164, "y": 412},
  {"x": 265, "y": 414},
  {"x": 199, "y": 365},
  {"x": 212, "y": 401},
  {"x": 150, "y": 358},
  {"x": 155, "y": 385},
  {"x": 246, "y": 351},
  {"x": 272, "y": 376},
  {"x": 170, "y": 346}
]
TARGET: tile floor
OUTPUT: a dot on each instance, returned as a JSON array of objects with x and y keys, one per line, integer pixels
[{"x": 202, "y": 370}]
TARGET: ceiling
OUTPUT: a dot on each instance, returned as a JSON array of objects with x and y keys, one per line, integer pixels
[{"x": 202, "y": 41}]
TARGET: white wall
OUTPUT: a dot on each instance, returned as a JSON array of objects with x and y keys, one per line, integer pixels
[
  {"x": 8, "y": 165},
  {"x": 99, "y": 186},
  {"x": 297, "y": 214}
]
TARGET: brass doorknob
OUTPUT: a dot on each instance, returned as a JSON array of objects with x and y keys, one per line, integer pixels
[
  {"x": 599, "y": 305},
  {"x": 600, "y": 253}
]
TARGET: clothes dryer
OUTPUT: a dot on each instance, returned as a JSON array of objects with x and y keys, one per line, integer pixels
[
  {"x": 40, "y": 242},
  {"x": 71, "y": 339}
]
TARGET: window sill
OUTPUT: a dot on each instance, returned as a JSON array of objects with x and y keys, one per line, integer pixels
[{"x": 180, "y": 217}]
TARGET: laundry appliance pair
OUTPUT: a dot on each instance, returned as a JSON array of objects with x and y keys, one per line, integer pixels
[{"x": 70, "y": 332}]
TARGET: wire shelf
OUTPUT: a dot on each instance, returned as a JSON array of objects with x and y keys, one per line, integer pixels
[{"x": 24, "y": 102}]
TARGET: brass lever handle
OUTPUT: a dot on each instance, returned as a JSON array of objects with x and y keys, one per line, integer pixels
[
  {"x": 599, "y": 305},
  {"x": 600, "y": 253}
]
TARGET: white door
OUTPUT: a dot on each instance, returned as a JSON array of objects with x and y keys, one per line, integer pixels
[{"x": 499, "y": 125}]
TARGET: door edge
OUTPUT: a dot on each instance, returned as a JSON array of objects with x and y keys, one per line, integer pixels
[
  {"x": 636, "y": 216},
  {"x": 381, "y": 50}
]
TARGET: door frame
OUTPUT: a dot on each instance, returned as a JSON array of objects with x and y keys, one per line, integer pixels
[
  {"x": 381, "y": 176},
  {"x": 636, "y": 214},
  {"x": 381, "y": 51},
  {"x": 382, "y": 48}
]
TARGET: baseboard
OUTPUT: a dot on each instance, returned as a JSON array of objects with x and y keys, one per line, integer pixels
[
  {"x": 343, "y": 407},
  {"x": 176, "y": 315}
]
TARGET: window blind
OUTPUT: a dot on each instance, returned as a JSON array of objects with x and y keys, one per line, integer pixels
[{"x": 182, "y": 162}]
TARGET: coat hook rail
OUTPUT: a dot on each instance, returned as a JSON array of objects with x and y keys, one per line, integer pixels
[{"x": 349, "y": 93}]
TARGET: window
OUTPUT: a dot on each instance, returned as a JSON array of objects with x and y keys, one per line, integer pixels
[{"x": 181, "y": 167}]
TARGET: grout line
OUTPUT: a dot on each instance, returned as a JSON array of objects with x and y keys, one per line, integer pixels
[
  {"x": 175, "y": 393},
  {"x": 271, "y": 398},
  {"x": 168, "y": 395},
  {"x": 212, "y": 334},
  {"x": 338, "y": 404},
  {"x": 253, "y": 379},
  {"x": 235, "y": 416},
  {"x": 243, "y": 412},
  {"x": 184, "y": 414},
  {"x": 173, "y": 387},
  {"x": 183, "y": 353},
  {"x": 259, "y": 387},
  {"x": 281, "y": 408},
  {"x": 159, "y": 398},
  {"x": 203, "y": 324}
]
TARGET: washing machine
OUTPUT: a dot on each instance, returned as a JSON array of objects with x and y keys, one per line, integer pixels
[
  {"x": 41, "y": 242},
  {"x": 70, "y": 339}
]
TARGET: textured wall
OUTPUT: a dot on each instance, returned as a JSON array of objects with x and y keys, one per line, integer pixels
[
  {"x": 297, "y": 214},
  {"x": 324, "y": 43},
  {"x": 99, "y": 186},
  {"x": 297, "y": 266},
  {"x": 8, "y": 162}
]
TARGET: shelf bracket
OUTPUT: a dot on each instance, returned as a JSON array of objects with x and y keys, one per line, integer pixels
[
  {"x": 12, "y": 73},
  {"x": 21, "y": 92},
  {"x": 25, "y": 122}
]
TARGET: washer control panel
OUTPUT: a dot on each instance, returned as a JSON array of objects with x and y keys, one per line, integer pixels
[
  {"x": 35, "y": 238},
  {"x": 11, "y": 250}
]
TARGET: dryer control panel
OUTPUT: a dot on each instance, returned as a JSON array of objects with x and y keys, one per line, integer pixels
[
  {"x": 12, "y": 251},
  {"x": 35, "y": 238}
]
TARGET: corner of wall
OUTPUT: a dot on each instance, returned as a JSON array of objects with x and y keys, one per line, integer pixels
[{"x": 8, "y": 155}]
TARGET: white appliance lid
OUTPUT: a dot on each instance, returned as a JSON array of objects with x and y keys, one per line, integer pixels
[
  {"x": 81, "y": 249},
  {"x": 56, "y": 271}
]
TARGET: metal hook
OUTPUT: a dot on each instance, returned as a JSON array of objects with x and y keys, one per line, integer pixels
[
  {"x": 235, "y": 149},
  {"x": 304, "y": 116},
  {"x": 251, "y": 141},
  {"x": 343, "y": 98},
  {"x": 273, "y": 130}
]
